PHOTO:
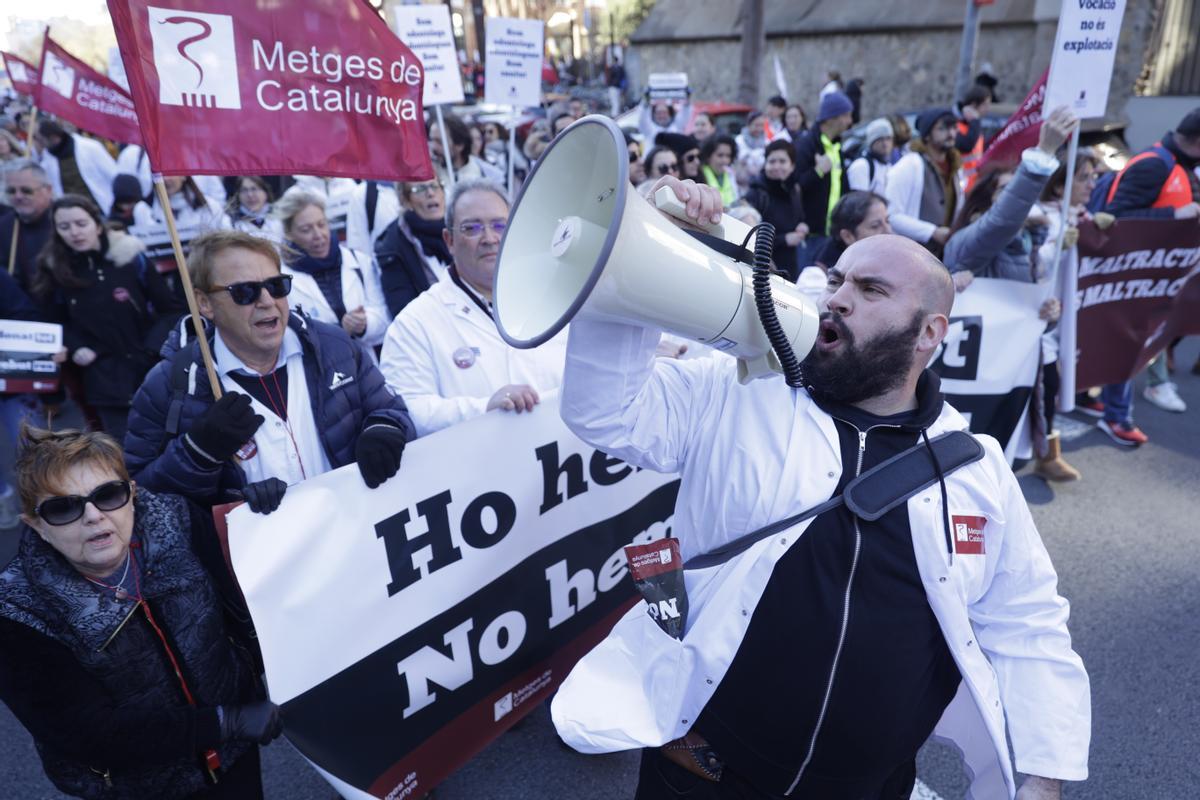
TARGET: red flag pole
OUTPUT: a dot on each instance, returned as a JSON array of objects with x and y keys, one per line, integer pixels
[{"x": 160, "y": 191}]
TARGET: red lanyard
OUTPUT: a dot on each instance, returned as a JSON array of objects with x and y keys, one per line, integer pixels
[
  {"x": 281, "y": 412},
  {"x": 211, "y": 759}
]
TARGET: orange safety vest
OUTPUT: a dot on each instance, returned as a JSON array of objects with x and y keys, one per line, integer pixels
[
  {"x": 1176, "y": 190},
  {"x": 971, "y": 160}
]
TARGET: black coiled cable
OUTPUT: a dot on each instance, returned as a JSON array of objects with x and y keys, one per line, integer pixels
[{"x": 764, "y": 244}]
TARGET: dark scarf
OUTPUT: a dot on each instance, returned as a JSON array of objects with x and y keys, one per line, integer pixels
[
  {"x": 429, "y": 235},
  {"x": 327, "y": 272}
]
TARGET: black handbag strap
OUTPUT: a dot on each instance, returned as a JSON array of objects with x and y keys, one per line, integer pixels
[{"x": 872, "y": 494}]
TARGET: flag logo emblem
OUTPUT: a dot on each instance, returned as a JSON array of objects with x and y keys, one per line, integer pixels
[
  {"x": 196, "y": 59},
  {"x": 59, "y": 76}
]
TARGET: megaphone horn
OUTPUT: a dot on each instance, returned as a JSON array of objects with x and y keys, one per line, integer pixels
[{"x": 582, "y": 243}]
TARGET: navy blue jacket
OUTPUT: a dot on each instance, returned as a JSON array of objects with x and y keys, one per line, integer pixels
[{"x": 159, "y": 460}]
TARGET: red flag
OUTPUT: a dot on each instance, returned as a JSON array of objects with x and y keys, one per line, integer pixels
[
  {"x": 72, "y": 90},
  {"x": 289, "y": 87},
  {"x": 1021, "y": 130},
  {"x": 24, "y": 76}
]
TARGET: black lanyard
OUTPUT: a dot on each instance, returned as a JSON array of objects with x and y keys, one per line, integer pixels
[{"x": 474, "y": 297}]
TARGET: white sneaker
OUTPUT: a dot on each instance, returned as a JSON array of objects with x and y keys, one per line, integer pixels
[{"x": 1165, "y": 397}]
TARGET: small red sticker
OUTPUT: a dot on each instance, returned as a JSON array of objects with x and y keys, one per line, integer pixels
[{"x": 968, "y": 535}]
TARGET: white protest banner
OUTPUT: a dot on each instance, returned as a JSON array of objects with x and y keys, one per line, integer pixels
[
  {"x": 990, "y": 358},
  {"x": 668, "y": 85},
  {"x": 513, "y": 72},
  {"x": 405, "y": 627},
  {"x": 426, "y": 31},
  {"x": 25, "y": 356},
  {"x": 1084, "y": 50}
]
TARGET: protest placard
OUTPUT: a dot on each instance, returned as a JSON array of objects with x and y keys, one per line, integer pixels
[
  {"x": 25, "y": 356},
  {"x": 426, "y": 31},
  {"x": 513, "y": 75},
  {"x": 667, "y": 86},
  {"x": 403, "y": 628},
  {"x": 1084, "y": 50},
  {"x": 990, "y": 358},
  {"x": 1136, "y": 292}
]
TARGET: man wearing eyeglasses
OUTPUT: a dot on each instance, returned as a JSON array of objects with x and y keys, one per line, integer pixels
[
  {"x": 443, "y": 352},
  {"x": 300, "y": 397},
  {"x": 29, "y": 194}
]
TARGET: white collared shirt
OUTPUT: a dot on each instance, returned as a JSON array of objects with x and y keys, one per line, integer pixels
[{"x": 290, "y": 450}]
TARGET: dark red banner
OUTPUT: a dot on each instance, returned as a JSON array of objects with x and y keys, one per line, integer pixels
[
  {"x": 290, "y": 87},
  {"x": 1020, "y": 131},
  {"x": 24, "y": 76},
  {"x": 1138, "y": 289},
  {"x": 71, "y": 90}
]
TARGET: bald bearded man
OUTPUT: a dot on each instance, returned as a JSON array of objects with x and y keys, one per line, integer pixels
[{"x": 817, "y": 662}]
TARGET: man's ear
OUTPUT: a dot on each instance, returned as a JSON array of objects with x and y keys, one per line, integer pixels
[
  {"x": 933, "y": 331},
  {"x": 448, "y": 238},
  {"x": 204, "y": 305}
]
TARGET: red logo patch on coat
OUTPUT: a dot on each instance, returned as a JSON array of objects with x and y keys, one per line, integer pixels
[
  {"x": 968, "y": 535},
  {"x": 121, "y": 294}
]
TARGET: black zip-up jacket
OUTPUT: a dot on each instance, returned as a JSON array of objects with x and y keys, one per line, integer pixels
[
  {"x": 770, "y": 719},
  {"x": 815, "y": 187},
  {"x": 781, "y": 203}
]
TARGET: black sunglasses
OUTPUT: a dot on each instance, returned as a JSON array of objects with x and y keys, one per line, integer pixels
[
  {"x": 64, "y": 510},
  {"x": 663, "y": 169},
  {"x": 247, "y": 292}
]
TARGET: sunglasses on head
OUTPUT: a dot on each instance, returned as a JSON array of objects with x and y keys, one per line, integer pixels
[
  {"x": 64, "y": 510},
  {"x": 246, "y": 292}
]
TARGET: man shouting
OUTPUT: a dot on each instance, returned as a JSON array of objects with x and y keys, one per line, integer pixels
[{"x": 816, "y": 663}]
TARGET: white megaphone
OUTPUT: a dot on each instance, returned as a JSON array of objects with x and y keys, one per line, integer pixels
[{"x": 582, "y": 242}]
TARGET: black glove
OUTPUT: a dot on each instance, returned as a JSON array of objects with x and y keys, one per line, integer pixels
[
  {"x": 227, "y": 425},
  {"x": 378, "y": 453},
  {"x": 265, "y": 496},
  {"x": 257, "y": 722}
]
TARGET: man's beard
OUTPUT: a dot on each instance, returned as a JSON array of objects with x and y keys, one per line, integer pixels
[{"x": 851, "y": 374}]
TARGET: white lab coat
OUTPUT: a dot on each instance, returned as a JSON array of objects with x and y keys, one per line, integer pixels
[
  {"x": 360, "y": 287},
  {"x": 361, "y": 233},
  {"x": 860, "y": 178},
  {"x": 443, "y": 324},
  {"x": 905, "y": 185},
  {"x": 96, "y": 167},
  {"x": 189, "y": 221},
  {"x": 734, "y": 445}
]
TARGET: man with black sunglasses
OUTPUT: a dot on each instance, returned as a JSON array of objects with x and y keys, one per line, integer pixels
[
  {"x": 300, "y": 396},
  {"x": 28, "y": 193}
]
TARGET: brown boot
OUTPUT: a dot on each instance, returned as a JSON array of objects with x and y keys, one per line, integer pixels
[{"x": 1053, "y": 467}]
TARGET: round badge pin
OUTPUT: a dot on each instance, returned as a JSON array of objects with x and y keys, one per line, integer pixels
[{"x": 464, "y": 357}]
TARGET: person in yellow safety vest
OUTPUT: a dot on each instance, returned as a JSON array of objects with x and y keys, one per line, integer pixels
[{"x": 974, "y": 105}]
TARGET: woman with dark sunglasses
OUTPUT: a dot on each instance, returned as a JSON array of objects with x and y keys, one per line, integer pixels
[
  {"x": 119, "y": 658},
  {"x": 114, "y": 307},
  {"x": 661, "y": 161}
]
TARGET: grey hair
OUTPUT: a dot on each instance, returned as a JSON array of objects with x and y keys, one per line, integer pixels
[
  {"x": 465, "y": 187},
  {"x": 293, "y": 201},
  {"x": 25, "y": 165}
]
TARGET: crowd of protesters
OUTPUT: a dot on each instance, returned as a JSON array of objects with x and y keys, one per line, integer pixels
[{"x": 337, "y": 341}]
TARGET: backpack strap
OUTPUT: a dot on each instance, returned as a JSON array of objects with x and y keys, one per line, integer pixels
[
  {"x": 873, "y": 493},
  {"x": 181, "y": 382},
  {"x": 372, "y": 204}
]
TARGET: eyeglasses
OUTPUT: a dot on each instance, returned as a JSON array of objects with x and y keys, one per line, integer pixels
[
  {"x": 25, "y": 190},
  {"x": 425, "y": 188},
  {"x": 633, "y": 156},
  {"x": 663, "y": 169},
  {"x": 473, "y": 230},
  {"x": 65, "y": 510},
  {"x": 691, "y": 158},
  {"x": 247, "y": 292}
]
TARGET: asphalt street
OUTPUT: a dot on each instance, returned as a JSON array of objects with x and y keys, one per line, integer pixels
[{"x": 1126, "y": 544}]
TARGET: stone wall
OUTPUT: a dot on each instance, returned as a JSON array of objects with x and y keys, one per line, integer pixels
[{"x": 902, "y": 69}]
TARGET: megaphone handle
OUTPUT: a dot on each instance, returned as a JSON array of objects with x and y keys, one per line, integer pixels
[{"x": 731, "y": 230}]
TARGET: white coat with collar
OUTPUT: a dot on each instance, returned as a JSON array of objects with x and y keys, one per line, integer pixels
[
  {"x": 437, "y": 333},
  {"x": 733, "y": 445},
  {"x": 96, "y": 167},
  {"x": 361, "y": 233},
  {"x": 360, "y": 287}
]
